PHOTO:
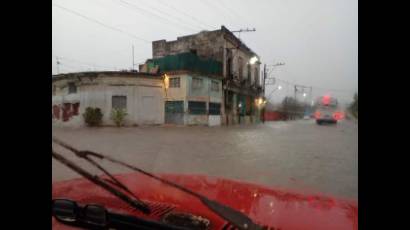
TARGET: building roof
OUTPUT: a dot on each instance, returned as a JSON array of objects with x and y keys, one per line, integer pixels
[
  {"x": 99, "y": 73},
  {"x": 232, "y": 37},
  {"x": 237, "y": 40}
]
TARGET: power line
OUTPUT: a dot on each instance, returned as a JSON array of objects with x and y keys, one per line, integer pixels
[
  {"x": 315, "y": 87},
  {"x": 186, "y": 14},
  {"x": 155, "y": 15},
  {"x": 182, "y": 21},
  {"x": 231, "y": 10},
  {"x": 219, "y": 7},
  {"x": 100, "y": 23},
  {"x": 211, "y": 6},
  {"x": 83, "y": 63},
  {"x": 69, "y": 68}
]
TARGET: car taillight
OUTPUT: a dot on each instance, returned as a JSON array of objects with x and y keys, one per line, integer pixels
[
  {"x": 338, "y": 115},
  {"x": 317, "y": 114}
]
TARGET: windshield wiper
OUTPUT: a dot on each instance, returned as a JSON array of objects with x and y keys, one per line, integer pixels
[
  {"x": 134, "y": 202},
  {"x": 236, "y": 218}
]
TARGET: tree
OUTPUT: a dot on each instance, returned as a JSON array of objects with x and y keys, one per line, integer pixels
[
  {"x": 354, "y": 106},
  {"x": 291, "y": 108}
]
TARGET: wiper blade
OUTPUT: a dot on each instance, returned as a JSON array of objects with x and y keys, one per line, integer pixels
[
  {"x": 85, "y": 155},
  {"x": 236, "y": 218},
  {"x": 136, "y": 203}
]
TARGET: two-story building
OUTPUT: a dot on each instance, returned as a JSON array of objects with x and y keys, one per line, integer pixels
[
  {"x": 193, "y": 94},
  {"x": 210, "y": 60}
]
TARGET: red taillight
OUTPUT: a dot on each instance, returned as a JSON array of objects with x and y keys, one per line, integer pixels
[
  {"x": 317, "y": 114},
  {"x": 326, "y": 100},
  {"x": 338, "y": 115}
]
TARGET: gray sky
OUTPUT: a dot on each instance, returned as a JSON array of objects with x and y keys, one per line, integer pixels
[{"x": 316, "y": 39}]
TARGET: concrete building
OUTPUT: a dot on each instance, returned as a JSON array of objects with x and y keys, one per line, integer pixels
[
  {"x": 193, "y": 99},
  {"x": 193, "y": 88},
  {"x": 141, "y": 95},
  {"x": 241, "y": 83}
]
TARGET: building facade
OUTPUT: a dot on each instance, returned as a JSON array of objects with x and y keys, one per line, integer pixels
[
  {"x": 241, "y": 83},
  {"x": 193, "y": 99},
  {"x": 140, "y": 95}
]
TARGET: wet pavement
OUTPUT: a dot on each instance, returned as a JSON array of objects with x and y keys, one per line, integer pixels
[{"x": 298, "y": 155}]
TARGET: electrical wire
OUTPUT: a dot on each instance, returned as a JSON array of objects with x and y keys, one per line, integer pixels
[
  {"x": 213, "y": 8},
  {"x": 181, "y": 20},
  {"x": 186, "y": 14},
  {"x": 82, "y": 62},
  {"x": 166, "y": 20},
  {"x": 100, "y": 23}
]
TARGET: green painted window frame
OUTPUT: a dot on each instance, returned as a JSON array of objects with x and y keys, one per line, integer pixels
[
  {"x": 174, "y": 82},
  {"x": 214, "y": 108},
  {"x": 197, "y": 107},
  {"x": 197, "y": 83},
  {"x": 174, "y": 106},
  {"x": 214, "y": 86}
]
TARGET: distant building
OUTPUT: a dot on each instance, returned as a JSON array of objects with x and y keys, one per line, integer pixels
[
  {"x": 204, "y": 62},
  {"x": 141, "y": 95}
]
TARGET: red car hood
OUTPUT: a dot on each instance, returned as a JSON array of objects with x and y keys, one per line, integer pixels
[{"x": 270, "y": 207}]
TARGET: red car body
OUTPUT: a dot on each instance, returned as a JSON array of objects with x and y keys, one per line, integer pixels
[{"x": 274, "y": 208}]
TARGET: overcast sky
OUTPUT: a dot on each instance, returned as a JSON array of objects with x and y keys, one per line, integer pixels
[{"x": 316, "y": 39}]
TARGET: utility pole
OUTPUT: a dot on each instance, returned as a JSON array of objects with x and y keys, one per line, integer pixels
[
  {"x": 243, "y": 30},
  {"x": 58, "y": 66},
  {"x": 264, "y": 82},
  {"x": 264, "y": 79},
  {"x": 133, "y": 64}
]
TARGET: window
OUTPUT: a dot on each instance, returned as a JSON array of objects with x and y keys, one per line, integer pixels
[
  {"x": 119, "y": 102},
  {"x": 256, "y": 76},
  {"x": 174, "y": 106},
  {"x": 229, "y": 67},
  {"x": 215, "y": 86},
  {"x": 193, "y": 51},
  {"x": 214, "y": 108},
  {"x": 76, "y": 107},
  {"x": 240, "y": 68},
  {"x": 196, "y": 83},
  {"x": 174, "y": 82},
  {"x": 196, "y": 107},
  {"x": 249, "y": 72},
  {"x": 72, "y": 88}
]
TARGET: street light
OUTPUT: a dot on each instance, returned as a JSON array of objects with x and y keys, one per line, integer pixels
[
  {"x": 304, "y": 94},
  {"x": 166, "y": 81},
  {"x": 253, "y": 60}
]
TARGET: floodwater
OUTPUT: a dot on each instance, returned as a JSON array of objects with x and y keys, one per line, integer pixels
[{"x": 297, "y": 155}]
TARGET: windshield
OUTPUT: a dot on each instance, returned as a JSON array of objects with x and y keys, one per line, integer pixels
[{"x": 229, "y": 114}]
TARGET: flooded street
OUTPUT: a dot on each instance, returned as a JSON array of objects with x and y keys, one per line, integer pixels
[{"x": 298, "y": 155}]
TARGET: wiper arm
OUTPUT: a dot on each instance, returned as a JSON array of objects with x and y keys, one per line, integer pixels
[
  {"x": 85, "y": 155},
  {"x": 238, "y": 219},
  {"x": 136, "y": 203}
]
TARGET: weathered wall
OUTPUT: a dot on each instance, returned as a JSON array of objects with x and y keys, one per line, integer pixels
[
  {"x": 214, "y": 120},
  {"x": 177, "y": 94},
  {"x": 144, "y": 98},
  {"x": 209, "y": 44},
  {"x": 236, "y": 54},
  {"x": 190, "y": 119},
  {"x": 219, "y": 45},
  {"x": 186, "y": 93},
  {"x": 205, "y": 44}
]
